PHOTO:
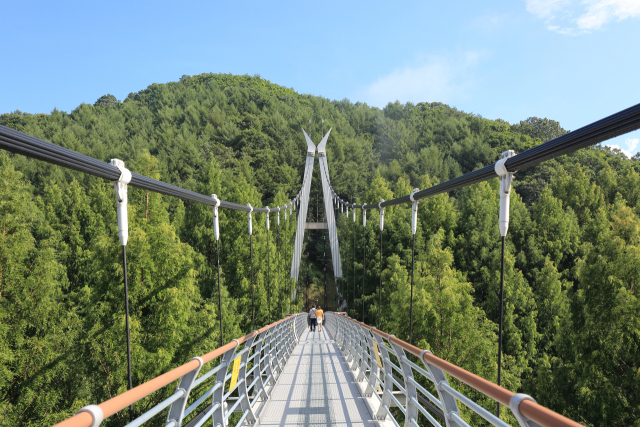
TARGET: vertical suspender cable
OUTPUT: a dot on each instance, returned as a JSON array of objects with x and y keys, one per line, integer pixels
[
  {"x": 380, "y": 285},
  {"x": 253, "y": 302},
  {"x": 414, "y": 228},
  {"x": 120, "y": 187},
  {"x": 289, "y": 290},
  {"x": 308, "y": 305},
  {"x": 216, "y": 235},
  {"x": 279, "y": 273},
  {"x": 500, "y": 324},
  {"x": 126, "y": 307},
  {"x": 354, "y": 257},
  {"x": 324, "y": 256},
  {"x": 286, "y": 251},
  {"x": 364, "y": 254},
  {"x": 346, "y": 226},
  {"x": 503, "y": 222},
  {"x": 268, "y": 270},
  {"x": 413, "y": 255}
]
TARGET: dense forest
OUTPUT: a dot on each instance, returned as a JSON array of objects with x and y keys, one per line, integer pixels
[{"x": 572, "y": 268}]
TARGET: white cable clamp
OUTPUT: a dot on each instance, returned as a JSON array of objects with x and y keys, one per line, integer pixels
[
  {"x": 505, "y": 190},
  {"x": 279, "y": 216},
  {"x": 267, "y": 219},
  {"x": 120, "y": 187},
  {"x": 353, "y": 207},
  {"x": 347, "y": 211},
  {"x": 381, "y": 214},
  {"x": 414, "y": 212},
  {"x": 514, "y": 405},
  {"x": 250, "y": 219},
  {"x": 95, "y": 412},
  {"x": 216, "y": 222},
  {"x": 364, "y": 217}
]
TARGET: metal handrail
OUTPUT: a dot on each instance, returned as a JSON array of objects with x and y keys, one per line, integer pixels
[
  {"x": 281, "y": 336},
  {"x": 348, "y": 332}
]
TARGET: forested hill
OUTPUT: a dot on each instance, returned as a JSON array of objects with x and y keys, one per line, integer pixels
[{"x": 572, "y": 271}]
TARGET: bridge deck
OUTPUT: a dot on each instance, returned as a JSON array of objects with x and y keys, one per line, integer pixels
[{"x": 316, "y": 388}]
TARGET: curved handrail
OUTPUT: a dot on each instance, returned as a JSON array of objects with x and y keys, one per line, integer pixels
[
  {"x": 128, "y": 398},
  {"x": 530, "y": 409}
]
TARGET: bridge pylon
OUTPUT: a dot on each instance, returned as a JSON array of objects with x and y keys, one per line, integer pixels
[{"x": 304, "y": 207}]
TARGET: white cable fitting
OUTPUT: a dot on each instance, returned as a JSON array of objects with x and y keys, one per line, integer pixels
[
  {"x": 414, "y": 212},
  {"x": 415, "y": 190},
  {"x": 279, "y": 216},
  {"x": 514, "y": 405},
  {"x": 267, "y": 218},
  {"x": 505, "y": 190},
  {"x": 95, "y": 412},
  {"x": 347, "y": 211},
  {"x": 120, "y": 187},
  {"x": 381, "y": 214},
  {"x": 216, "y": 223},
  {"x": 364, "y": 217},
  {"x": 353, "y": 207},
  {"x": 250, "y": 219}
]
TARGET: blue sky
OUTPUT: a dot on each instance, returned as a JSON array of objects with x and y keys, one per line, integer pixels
[{"x": 574, "y": 61}]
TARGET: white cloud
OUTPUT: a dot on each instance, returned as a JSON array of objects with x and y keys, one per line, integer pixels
[
  {"x": 631, "y": 144},
  {"x": 574, "y": 17},
  {"x": 438, "y": 78}
]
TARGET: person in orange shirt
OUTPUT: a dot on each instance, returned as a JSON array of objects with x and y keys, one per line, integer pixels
[{"x": 320, "y": 317}]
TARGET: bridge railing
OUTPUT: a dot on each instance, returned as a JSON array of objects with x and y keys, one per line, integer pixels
[
  {"x": 392, "y": 380},
  {"x": 241, "y": 382}
]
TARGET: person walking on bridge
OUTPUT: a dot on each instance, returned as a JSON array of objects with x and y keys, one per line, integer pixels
[
  {"x": 320, "y": 318},
  {"x": 313, "y": 317}
]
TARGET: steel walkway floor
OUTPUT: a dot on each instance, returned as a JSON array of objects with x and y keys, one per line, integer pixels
[{"x": 316, "y": 388}]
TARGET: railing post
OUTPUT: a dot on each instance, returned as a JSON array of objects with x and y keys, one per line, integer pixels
[
  {"x": 259, "y": 386},
  {"x": 245, "y": 403},
  {"x": 342, "y": 333},
  {"x": 176, "y": 410},
  {"x": 410, "y": 390},
  {"x": 374, "y": 369},
  {"x": 363, "y": 352},
  {"x": 388, "y": 383},
  {"x": 448, "y": 402},
  {"x": 269, "y": 357},
  {"x": 351, "y": 346},
  {"x": 217, "y": 397}
]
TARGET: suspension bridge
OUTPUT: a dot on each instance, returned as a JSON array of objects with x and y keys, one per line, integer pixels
[{"x": 350, "y": 374}]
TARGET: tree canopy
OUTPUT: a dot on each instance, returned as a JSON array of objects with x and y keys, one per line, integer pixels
[{"x": 571, "y": 324}]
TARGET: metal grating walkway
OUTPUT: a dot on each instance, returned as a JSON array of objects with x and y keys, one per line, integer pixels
[{"x": 316, "y": 388}]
